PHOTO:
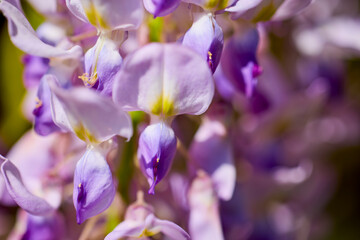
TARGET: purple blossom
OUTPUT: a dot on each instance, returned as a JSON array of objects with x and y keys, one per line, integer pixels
[
  {"x": 140, "y": 222},
  {"x": 94, "y": 188},
  {"x": 239, "y": 63},
  {"x": 157, "y": 147},
  {"x": 205, "y": 37}
]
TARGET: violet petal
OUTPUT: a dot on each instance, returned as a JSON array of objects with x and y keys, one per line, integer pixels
[
  {"x": 94, "y": 188},
  {"x": 157, "y": 147}
]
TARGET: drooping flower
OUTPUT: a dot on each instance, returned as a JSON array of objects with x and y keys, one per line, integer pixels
[
  {"x": 206, "y": 37},
  {"x": 204, "y": 219},
  {"x": 157, "y": 147},
  {"x": 140, "y": 222},
  {"x": 239, "y": 63},
  {"x": 164, "y": 81},
  {"x": 92, "y": 117},
  {"x": 211, "y": 152},
  {"x": 94, "y": 188},
  {"x": 102, "y": 62}
]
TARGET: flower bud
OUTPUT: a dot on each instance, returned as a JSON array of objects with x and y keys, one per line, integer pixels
[{"x": 157, "y": 147}]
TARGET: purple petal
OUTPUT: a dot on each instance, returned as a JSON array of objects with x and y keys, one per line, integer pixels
[
  {"x": 34, "y": 150},
  {"x": 5, "y": 198},
  {"x": 239, "y": 62},
  {"x": 21, "y": 195},
  {"x": 76, "y": 8},
  {"x": 160, "y": 8},
  {"x": 249, "y": 72},
  {"x": 25, "y": 38},
  {"x": 242, "y": 6},
  {"x": 102, "y": 62},
  {"x": 157, "y": 147},
  {"x": 43, "y": 123},
  {"x": 15, "y": 3},
  {"x": 224, "y": 87},
  {"x": 206, "y": 37},
  {"x": 34, "y": 69},
  {"x": 108, "y": 15},
  {"x": 259, "y": 102},
  {"x": 94, "y": 118},
  {"x": 94, "y": 188},
  {"x": 166, "y": 79}
]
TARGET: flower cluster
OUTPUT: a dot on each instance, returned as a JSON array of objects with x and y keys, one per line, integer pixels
[{"x": 166, "y": 97}]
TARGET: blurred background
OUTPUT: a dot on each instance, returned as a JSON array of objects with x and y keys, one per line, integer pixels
[{"x": 312, "y": 77}]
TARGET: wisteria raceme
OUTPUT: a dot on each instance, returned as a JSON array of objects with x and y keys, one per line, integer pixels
[{"x": 230, "y": 115}]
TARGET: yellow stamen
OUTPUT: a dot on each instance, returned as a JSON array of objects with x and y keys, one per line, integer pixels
[
  {"x": 210, "y": 55},
  {"x": 79, "y": 186},
  {"x": 89, "y": 81},
  {"x": 38, "y": 102}
]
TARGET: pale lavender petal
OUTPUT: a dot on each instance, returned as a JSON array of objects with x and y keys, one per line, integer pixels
[
  {"x": 5, "y": 198},
  {"x": 25, "y": 38},
  {"x": 212, "y": 152},
  {"x": 206, "y": 37},
  {"x": 160, "y": 8},
  {"x": 15, "y": 3},
  {"x": 340, "y": 32},
  {"x": 108, "y": 14},
  {"x": 157, "y": 147},
  {"x": 289, "y": 8},
  {"x": 241, "y": 6},
  {"x": 94, "y": 188},
  {"x": 43, "y": 122},
  {"x": 166, "y": 79},
  {"x": 51, "y": 33},
  {"x": 48, "y": 7},
  {"x": 204, "y": 221},
  {"x": 102, "y": 63},
  {"x": 76, "y": 8},
  {"x": 127, "y": 228},
  {"x": 179, "y": 186},
  {"x": 168, "y": 228},
  {"x": 94, "y": 118},
  {"x": 21, "y": 195}
]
